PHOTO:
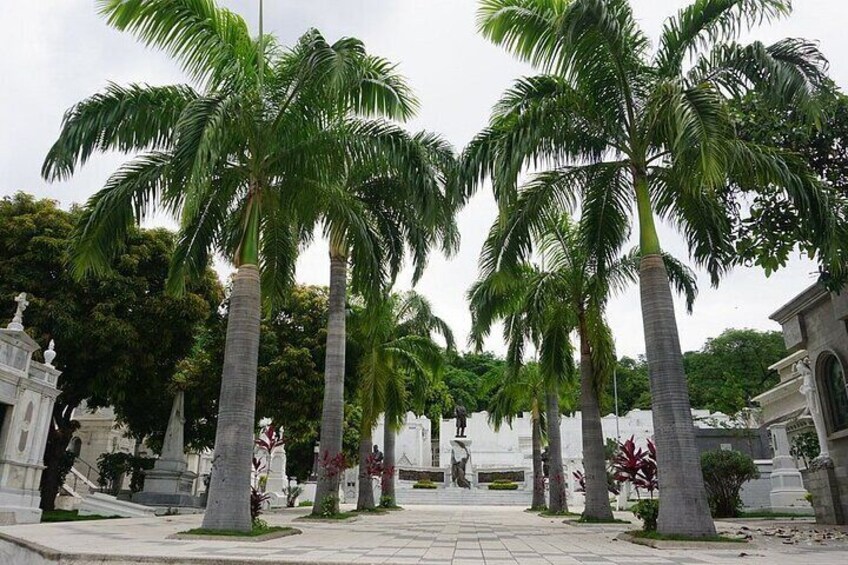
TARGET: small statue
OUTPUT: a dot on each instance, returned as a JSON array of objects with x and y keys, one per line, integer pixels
[
  {"x": 377, "y": 455},
  {"x": 50, "y": 354},
  {"x": 811, "y": 394},
  {"x": 546, "y": 462},
  {"x": 461, "y": 416},
  {"x": 17, "y": 322}
]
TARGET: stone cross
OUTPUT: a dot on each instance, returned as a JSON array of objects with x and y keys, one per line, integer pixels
[
  {"x": 17, "y": 323},
  {"x": 811, "y": 394}
]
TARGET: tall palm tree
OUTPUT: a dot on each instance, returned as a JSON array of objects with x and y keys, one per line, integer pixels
[
  {"x": 514, "y": 393},
  {"x": 239, "y": 157},
  {"x": 631, "y": 131},
  {"x": 399, "y": 361},
  {"x": 588, "y": 277},
  {"x": 397, "y": 199},
  {"x": 527, "y": 300}
]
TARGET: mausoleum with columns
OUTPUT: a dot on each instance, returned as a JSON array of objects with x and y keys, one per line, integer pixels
[{"x": 813, "y": 392}]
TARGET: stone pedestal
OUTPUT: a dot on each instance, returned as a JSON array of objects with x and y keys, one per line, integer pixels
[
  {"x": 169, "y": 483},
  {"x": 461, "y": 471},
  {"x": 824, "y": 486},
  {"x": 787, "y": 492}
]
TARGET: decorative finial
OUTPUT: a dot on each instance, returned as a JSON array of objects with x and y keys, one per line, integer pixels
[
  {"x": 17, "y": 323},
  {"x": 50, "y": 354}
]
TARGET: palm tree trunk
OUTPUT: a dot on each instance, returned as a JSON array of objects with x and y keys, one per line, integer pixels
[
  {"x": 388, "y": 483},
  {"x": 365, "y": 500},
  {"x": 597, "y": 504},
  {"x": 538, "y": 475},
  {"x": 228, "y": 505},
  {"x": 332, "y": 414},
  {"x": 557, "y": 502},
  {"x": 684, "y": 509}
]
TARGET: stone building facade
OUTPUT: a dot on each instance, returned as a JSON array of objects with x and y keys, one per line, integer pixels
[
  {"x": 816, "y": 321},
  {"x": 27, "y": 394}
]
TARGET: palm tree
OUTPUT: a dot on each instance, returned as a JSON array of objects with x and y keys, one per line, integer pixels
[
  {"x": 399, "y": 361},
  {"x": 527, "y": 300},
  {"x": 240, "y": 158},
  {"x": 587, "y": 279},
  {"x": 630, "y": 131},
  {"x": 397, "y": 200},
  {"x": 514, "y": 393}
]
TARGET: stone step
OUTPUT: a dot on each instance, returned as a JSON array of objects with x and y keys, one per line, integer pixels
[{"x": 464, "y": 497}]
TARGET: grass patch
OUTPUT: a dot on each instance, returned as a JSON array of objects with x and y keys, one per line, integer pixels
[
  {"x": 304, "y": 503},
  {"x": 392, "y": 508},
  {"x": 764, "y": 514},
  {"x": 336, "y": 516},
  {"x": 70, "y": 516},
  {"x": 589, "y": 520},
  {"x": 255, "y": 532},
  {"x": 375, "y": 510},
  {"x": 661, "y": 537},
  {"x": 549, "y": 514}
]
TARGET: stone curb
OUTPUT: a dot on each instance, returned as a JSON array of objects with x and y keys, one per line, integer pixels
[
  {"x": 61, "y": 558},
  {"x": 212, "y": 537},
  {"x": 675, "y": 544}
]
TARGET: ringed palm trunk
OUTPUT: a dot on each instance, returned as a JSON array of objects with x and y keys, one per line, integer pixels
[
  {"x": 228, "y": 505},
  {"x": 597, "y": 504},
  {"x": 365, "y": 499},
  {"x": 388, "y": 481},
  {"x": 538, "y": 476},
  {"x": 332, "y": 413},
  {"x": 683, "y": 509},
  {"x": 557, "y": 502}
]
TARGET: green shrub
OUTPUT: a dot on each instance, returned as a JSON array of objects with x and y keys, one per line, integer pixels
[
  {"x": 647, "y": 510},
  {"x": 330, "y": 505},
  {"x": 387, "y": 501},
  {"x": 724, "y": 474},
  {"x": 305, "y": 503},
  {"x": 425, "y": 484},
  {"x": 502, "y": 484}
]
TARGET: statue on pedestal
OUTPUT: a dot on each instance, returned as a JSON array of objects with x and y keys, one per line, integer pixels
[
  {"x": 377, "y": 455},
  {"x": 811, "y": 393},
  {"x": 461, "y": 416},
  {"x": 17, "y": 322}
]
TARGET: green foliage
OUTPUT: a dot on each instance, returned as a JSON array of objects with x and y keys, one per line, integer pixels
[
  {"x": 805, "y": 446},
  {"x": 49, "y": 516},
  {"x": 387, "y": 501},
  {"x": 732, "y": 368},
  {"x": 654, "y": 535},
  {"x": 634, "y": 389},
  {"x": 305, "y": 503},
  {"x": 774, "y": 229},
  {"x": 330, "y": 506},
  {"x": 724, "y": 474},
  {"x": 647, "y": 510},
  {"x": 113, "y": 467},
  {"x": 502, "y": 484},
  {"x": 65, "y": 465},
  {"x": 260, "y": 528},
  {"x": 425, "y": 484}
]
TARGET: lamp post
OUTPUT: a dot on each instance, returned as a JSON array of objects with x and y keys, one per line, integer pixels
[{"x": 615, "y": 393}]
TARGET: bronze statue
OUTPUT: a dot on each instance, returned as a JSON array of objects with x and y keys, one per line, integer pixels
[
  {"x": 546, "y": 459},
  {"x": 377, "y": 455},
  {"x": 461, "y": 415}
]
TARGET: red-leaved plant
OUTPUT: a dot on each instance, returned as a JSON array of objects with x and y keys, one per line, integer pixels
[{"x": 636, "y": 466}]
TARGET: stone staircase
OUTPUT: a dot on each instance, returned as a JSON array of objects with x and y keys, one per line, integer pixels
[{"x": 463, "y": 497}]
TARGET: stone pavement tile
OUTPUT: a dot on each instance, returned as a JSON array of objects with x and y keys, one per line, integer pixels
[
  {"x": 496, "y": 554},
  {"x": 467, "y": 554},
  {"x": 501, "y": 562}
]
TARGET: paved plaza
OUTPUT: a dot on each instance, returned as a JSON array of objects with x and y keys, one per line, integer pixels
[{"x": 422, "y": 535}]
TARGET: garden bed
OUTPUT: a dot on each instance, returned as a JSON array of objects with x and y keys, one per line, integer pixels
[
  {"x": 660, "y": 541},
  {"x": 264, "y": 533}
]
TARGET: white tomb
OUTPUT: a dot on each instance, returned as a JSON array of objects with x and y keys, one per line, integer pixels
[{"x": 27, "y": 394}]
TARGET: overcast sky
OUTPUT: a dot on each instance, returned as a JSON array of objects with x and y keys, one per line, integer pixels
[{"x": 56, "y": 52}]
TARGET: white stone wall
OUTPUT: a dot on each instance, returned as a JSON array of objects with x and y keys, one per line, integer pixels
[{"x": 412, "y": 441}]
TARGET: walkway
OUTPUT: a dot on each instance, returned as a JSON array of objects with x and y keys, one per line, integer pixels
[{"x": 420, "y": 535}]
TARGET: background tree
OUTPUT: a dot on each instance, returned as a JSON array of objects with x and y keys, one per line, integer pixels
[
  {"x": 240, "y": 159},
  {"x": 391, "y": 204},
  {"x": 118, "y": 337},
  {"x": 639, "y": 132},
  {"x": 513, "y": 394},
  {"x": 729, "y": 370}
]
